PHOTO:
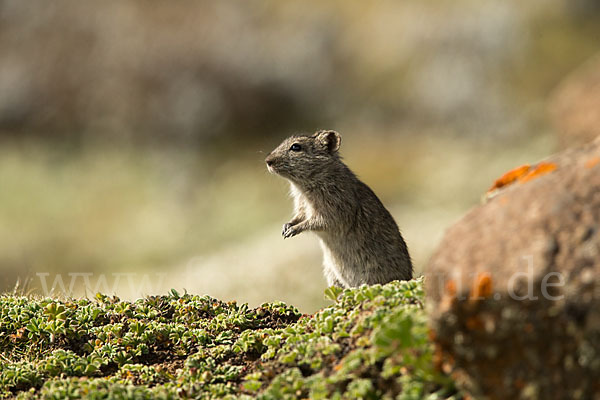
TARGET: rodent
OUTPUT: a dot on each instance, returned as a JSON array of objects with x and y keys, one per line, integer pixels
[{"x": 360, "y": 240}]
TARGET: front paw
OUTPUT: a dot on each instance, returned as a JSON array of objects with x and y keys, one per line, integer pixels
[{"x": 289, "y": 230}]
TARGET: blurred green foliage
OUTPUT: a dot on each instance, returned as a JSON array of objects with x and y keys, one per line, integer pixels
[{"x": 132, "y": 134}]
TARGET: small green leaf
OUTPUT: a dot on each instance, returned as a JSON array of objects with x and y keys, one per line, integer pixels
[{"x": 332, "y": 292}]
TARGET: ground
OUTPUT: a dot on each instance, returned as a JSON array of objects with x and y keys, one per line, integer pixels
[{"x": 373, "y": 342}]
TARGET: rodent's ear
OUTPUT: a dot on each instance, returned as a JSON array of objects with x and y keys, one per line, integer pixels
[{"x": 331, "y": 140}]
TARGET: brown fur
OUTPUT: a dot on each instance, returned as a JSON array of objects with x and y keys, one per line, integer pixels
[{"x": 360, "y": 240}]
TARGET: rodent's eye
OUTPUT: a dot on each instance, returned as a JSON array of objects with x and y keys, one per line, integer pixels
[{"x": 296, "y": 147}]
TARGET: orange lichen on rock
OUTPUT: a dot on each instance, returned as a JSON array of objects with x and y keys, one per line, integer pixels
[
  {"x": 522, "y": 174},
  {"x": 510, "y": 177},
  {"x": 442, "y": 361},
  {"x": 539, "y": 170},
  {"x": 451, "y": 288},
  {"x": 592, "y": 162},
  {"x": 449, "y": 296},
  {"x": 438, "y": 357},
  {"x": 482, "y": 287},
  {"x": 474, "y": 323}
]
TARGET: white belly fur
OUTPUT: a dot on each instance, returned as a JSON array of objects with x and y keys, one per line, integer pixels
[{"x": 330, "y": 265}]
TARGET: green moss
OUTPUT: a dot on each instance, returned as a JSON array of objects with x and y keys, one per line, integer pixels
[{"x": 371, "y": 343}]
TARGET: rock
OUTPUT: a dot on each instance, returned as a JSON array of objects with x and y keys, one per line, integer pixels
[
  {"x": 514, "y": 288},
  {"x": 575, "y": 105}
]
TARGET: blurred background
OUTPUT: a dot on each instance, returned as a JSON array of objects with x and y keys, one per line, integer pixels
[{"x": 133, "y": 134}]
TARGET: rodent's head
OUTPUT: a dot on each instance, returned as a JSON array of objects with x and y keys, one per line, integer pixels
[{"x": 301, "y": 157}]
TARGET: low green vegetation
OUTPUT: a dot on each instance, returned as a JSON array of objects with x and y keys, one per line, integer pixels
[{"x": 371, "y": 343}]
